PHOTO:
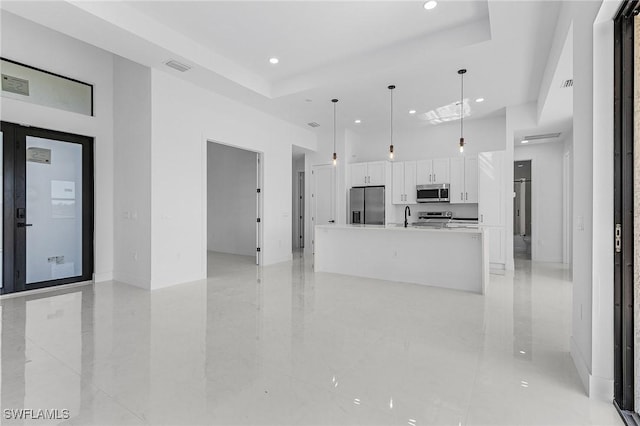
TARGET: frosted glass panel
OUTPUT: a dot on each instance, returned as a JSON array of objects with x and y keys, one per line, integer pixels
[
  {"x": 31, "y": 85},
  {"x": 54, "y": 210}
]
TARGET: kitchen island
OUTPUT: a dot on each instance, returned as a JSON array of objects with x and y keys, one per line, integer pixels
[{"x": 455, "y": 258}]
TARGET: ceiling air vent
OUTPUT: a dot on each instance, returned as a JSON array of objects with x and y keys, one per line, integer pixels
[
  {"x": 543, "y": 136},
  {"x": 567, "y": 83},
  {"x": 172, "y": 63},
  {"x": 313, "y": 124}
]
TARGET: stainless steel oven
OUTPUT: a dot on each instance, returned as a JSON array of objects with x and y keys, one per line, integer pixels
[{"x": 433, "y": 193}]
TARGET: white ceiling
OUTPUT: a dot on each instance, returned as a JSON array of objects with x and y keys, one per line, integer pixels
[{"x": 328, "y": 49}]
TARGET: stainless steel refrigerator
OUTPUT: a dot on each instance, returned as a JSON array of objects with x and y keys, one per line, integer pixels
[{"x": 366, "y": 205}]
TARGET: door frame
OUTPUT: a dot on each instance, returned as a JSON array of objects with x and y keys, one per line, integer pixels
[
  {"x": 14, "y": 169},
  {"x": 314, "y": 212},
  {"x": 623, "y": 239}
]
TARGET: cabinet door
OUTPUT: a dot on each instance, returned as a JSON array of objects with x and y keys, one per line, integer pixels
[
  {"x": 375, "y": 171},
  {"x": 471, "y": 179},
  {"x": 424, "y": 174},
  {"x": 456, "y": 180},
  {"x": 491, "y": 188},
  {"x": 440, "y": 170},
  {"x": 358, "y": 174},
  {"x": 410, "y": 182},
  {"x": 397, "y": 183}
]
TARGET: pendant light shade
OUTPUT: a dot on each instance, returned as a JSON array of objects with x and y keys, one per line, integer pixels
[
  {"x": 334, "y": 158},
  {"x": 391, "y": 121},
  {"x": 462, "y": 72}
]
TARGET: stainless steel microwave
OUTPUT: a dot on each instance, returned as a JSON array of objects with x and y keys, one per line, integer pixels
[{"x": 433, "y": 193}]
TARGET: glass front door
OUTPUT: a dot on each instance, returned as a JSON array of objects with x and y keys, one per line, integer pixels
[{"x": 48, "y": 209}]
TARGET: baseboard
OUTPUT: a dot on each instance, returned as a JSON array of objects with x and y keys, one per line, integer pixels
[
  {"x": 131, "y": 280},
  {"x": 100, "y": 277},
  {"x": 581, "y": 365},
  {"x": 596, "y": 387}
]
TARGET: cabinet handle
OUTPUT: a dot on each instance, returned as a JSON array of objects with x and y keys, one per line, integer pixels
[
  {"x": 461, "y": 197},
  {"x": 429, "y": 177},
  {"x": 481, "y": 218},
  {"x": 466, "y": 196}
]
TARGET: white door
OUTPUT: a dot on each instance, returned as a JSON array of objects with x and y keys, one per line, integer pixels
[
  {"x": 424, "y": 172},
  {"x": 375, "y": 171},
  {"x": 456, "y": 175},
  {"x": 471, "y": 179},
  {"x": 397, "y": 183},
  {"x": 440, "y": 170},
  {"x": 323, "y": 197},
  {"x": 358, "y": 174},
  {"x": 410, "y": 182}
]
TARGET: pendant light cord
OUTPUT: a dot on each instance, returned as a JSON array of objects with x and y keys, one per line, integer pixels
[
  {"x": 334, "y": 125},
  {"x": 461, "y": 104},
  {"x": 391, "y": 87}
]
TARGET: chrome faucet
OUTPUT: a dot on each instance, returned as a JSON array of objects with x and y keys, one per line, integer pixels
[{"x": 406, "y": 210}]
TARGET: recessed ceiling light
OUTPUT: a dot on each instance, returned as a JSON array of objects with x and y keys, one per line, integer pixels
[
  {"x": 524, "y": 141},
  {"x": 274, "y": 61},
  {"x": 431, "y": 4},
  {"x": 480, "y": 100},
  {"x": 358, "y": 121},
  {"x": 412, "y": 111}
]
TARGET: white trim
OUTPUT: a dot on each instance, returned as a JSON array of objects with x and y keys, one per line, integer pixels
[
  {"x": 44, "y": 290},
  {"x": 99, "y": 277},
  {"x": 581, "y": 365}
]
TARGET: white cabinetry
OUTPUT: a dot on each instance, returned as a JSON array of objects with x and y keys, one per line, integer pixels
[
  {"x": 491, "y": 188},
  {"x": 368, "y": 174},
  {"x": 432, "y": 171},
  {"x": 404, "y": 182},
  {"x": 491, "y": 199},
  {"x": 463, "y": 180}
]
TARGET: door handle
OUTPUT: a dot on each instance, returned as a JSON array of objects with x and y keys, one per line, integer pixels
[
  {"x": 332, "y": 221},
  {"x": 24, "y": 225}
]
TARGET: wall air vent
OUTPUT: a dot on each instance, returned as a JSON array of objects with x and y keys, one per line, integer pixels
[
  {"x": 567, "y": 83},
  {"x": 542, "y": 136},
  {"x": 172, "y": 63},
  {"x": 313, "y": 124}
]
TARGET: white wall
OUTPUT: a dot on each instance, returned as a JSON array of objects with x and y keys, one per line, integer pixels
[
  {"x": 132, "y": 182},
  {"x": 430, "y": 142},
  {"x": 231, "y": 200},
  {"x": 546, "y": 198},
  {"x": 34, "y": 45},
  {"x": 184, "y": 118}
]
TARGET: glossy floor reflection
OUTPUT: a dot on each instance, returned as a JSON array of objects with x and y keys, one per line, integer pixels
[{"x": 283, "y": 345}]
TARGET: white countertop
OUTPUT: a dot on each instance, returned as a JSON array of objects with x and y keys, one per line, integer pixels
[{"x": 403, "y": 229}]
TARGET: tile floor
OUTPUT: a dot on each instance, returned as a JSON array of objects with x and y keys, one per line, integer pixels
[{"x": 282, "y": 345}]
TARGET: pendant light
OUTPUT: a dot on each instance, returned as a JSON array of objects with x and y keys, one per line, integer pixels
[
  {"x": 462, "y": 72},
  {"x": 335, "y": 156},
  {"x": 391, "y": 144}
]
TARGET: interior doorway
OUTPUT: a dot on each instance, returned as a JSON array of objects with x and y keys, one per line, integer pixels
[
  {"x": 47, "y": 232},
  {"x": 522, "y": 209},
  {"x": 323, "y": 198},
  {"x": 234, "y": 205}
]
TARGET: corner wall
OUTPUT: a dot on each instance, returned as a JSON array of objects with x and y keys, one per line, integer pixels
[
  {"x": 184, "y": 117},
  {"x": 37, "y": 46}
]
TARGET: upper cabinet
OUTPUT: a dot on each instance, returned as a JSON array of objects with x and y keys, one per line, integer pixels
[
  {"x": 463, "y": 179},
  {"x": 432, "y": 171},
  {"x": 368, "y": 174},
  {"x": 404, "y": 182},
  {"x": 490, "y": 188}
]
